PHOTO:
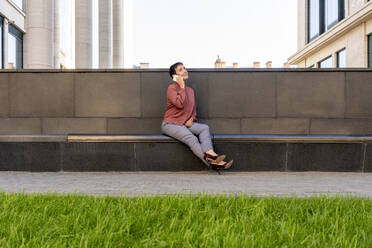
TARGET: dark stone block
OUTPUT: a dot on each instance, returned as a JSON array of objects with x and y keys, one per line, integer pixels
[
  {"x": 73, "y": 125},
  {"x": 107, "y": 95},
  {"x": 167, "y": 157},
  {"x": 154, "y": 93},
  {"x": 368, "y": 158},
  {"x": 41, "y": 95},
  {"x": 341, "y": 127},
  {"x": 199, "y": 82},
  {"x": 358, "y": 94},
  {"x": 30, "y": 156},
  {"x": 20, "y": 126},
  {"x": 222, "y": 125},
  {"x": 4, "y": 100},
  {"x": 242, "y": 94},
  {"x": 289, "y": 126},
  {"x": 311, "y": 94},
  {"x": 254, "y": 156},
  {"x": 134, "y": 125},
  {"x": 325, "y": 157},
  {"x": 100, "y": 156}
]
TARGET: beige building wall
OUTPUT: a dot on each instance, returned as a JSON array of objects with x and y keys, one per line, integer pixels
[
  {"x": 13, "y": 14},
  {"x": 57, "y": 34},
  {"x": 105, "y": 34},
  {"x": 353, "y": 6},
  {"x": 301, "y": 24},
  {"x": 118, "y": 33},
  {"x": 350, "y": 33},
  {"x": 83, "y": 34}
]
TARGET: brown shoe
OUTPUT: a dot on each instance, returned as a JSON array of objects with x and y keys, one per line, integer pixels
[
  {"x": 225, "y": 166},
  {"x": 228, "y": 164},
  {"x": 213, "y": 159}
]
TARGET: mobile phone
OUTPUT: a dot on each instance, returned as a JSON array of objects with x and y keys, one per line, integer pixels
[{"x": 175, "y": 78}]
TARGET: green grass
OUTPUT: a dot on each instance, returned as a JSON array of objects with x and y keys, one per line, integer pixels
[{"x": 183, "y": 221}]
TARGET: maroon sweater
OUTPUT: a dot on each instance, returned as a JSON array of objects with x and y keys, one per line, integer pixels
[{"x": 180, "y": 104}]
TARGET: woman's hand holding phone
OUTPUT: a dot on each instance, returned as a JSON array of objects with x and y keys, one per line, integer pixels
[
  {"x": 179, "y": 80},
  {"x": 189, "y": 122}
]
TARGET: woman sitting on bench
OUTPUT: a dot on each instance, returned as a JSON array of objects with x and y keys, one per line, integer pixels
[{"x": 180, "y": 123}]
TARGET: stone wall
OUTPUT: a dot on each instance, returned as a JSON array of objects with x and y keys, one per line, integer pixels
[{"x": 230, "y": 101}]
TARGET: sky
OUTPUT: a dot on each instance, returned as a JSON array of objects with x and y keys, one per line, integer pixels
[{"x": 194, "y": 32}]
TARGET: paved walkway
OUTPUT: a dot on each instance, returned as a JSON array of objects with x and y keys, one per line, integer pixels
[{"x": 302, "y": 184}]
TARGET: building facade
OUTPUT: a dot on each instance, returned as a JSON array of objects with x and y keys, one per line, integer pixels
[
  {"x": 334, "y": 34},
  {"x": 42, "y": 34},
  {"x": 12, "y": 29}
]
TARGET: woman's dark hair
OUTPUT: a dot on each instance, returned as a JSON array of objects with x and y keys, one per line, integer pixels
[{"x": 172, "y": 69}]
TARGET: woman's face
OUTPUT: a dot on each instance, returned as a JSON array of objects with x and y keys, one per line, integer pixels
[{"x": 181, "y": 71}]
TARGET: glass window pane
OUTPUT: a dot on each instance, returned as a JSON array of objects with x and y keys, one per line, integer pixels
[
  {"x": 313, "y": 18},
  {"x": 327, "y": 63},
  {"x": 331, "y": 13},
  {"x": 11, "y": 51},
  {"x": 19, "y": 3},
  {"x": 341, "y": 59},
  {"x": 15, "y": 49}
]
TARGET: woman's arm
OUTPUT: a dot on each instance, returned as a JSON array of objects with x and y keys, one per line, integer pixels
[{"x": 177, "y": 96}]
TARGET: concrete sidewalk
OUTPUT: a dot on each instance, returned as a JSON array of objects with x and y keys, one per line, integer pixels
[{"x": 282, "y": 184}]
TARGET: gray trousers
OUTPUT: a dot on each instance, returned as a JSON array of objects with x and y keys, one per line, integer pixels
[{"x": 187, "y": 135}]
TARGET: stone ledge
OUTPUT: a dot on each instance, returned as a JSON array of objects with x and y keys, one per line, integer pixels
[
  {"x": 120, "y": 138},
  {"x": 225, "y": 138},
  {"x": 164, "y": 138},
  {"x": 33, "y": 138},
  {"x": 293, "y": 138}
]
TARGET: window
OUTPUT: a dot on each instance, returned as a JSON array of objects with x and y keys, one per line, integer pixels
[
  {"x": 341, "y": 58},
  {"x": 314, "y": 25},
  {"x": 370, "y": 51},
  {"x": 15, "y": 48},
  {"x": 326, "y": 63},
  {"x": 323, "y": 15},
  {"x": 334, "y": 12},
  {"x": 19, "y": 3},
  {"x": 1, "y": 42}
]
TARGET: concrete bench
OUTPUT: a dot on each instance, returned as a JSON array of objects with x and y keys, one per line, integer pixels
[{"x": 86, "y": 152}]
